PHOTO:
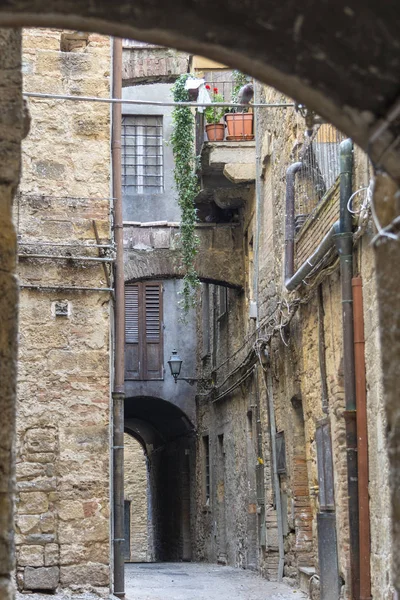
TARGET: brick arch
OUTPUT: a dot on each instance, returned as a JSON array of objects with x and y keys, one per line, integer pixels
[
  {"x": 328, "y": 66},
  {"x": 156, "y": 256}
]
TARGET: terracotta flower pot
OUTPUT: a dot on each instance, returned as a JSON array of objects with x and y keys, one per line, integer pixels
[
  {"x": 240, "y": 126},
  {"x": 215, "y": 132}
]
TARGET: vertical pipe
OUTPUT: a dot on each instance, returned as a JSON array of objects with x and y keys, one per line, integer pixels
[
  {"x": 289, "y": 219},
  {"x": 258, "y": 197},
  {"x": 272, "y": 432},
  {"x": 119, "y": 389},
  {"x": 344, "y": 244},
  {"x": 362, "y": 439},
  {"x": 321, "y": 351}
]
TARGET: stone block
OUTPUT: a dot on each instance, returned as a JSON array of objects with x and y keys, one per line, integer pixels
[
  {"x": 28, "y": 523},
  {"x": 47, "y": 523},
  {"x": 51, "y": 555},
  {"x": 70, "y": 509},
  {"x": 40, "y": 439},
  {"x": 87, "y": 574},
  {"x": 42, "y": 578},
  {"x": 39, "y": 538},
  {"x": 30, "y": 556},
  {"x": 49, "y": 169},
  {"x": 96, "y": 552},
  {"x": 240, "y": 172}
]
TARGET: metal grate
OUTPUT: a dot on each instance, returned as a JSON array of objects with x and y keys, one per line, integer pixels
[
  {"x": 321, "y": 167},
  {"x": 142, "y": 155}
]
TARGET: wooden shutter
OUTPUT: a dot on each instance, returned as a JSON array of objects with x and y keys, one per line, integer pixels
[
  {"x": 132, "y": 336},
  {"x": 152, "y": 299},
  {"x": 143, "y": 331}
]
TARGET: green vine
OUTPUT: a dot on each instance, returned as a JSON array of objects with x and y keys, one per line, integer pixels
[{"x": 187, "y": 186}]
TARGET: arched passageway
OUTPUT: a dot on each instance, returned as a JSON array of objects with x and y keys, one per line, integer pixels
[
  {"x": 137, "y": 510},
  {"x": 168, "y": 438}
]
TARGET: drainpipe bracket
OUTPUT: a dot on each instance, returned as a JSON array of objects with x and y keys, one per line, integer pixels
[{"x": 343, "y": 242}]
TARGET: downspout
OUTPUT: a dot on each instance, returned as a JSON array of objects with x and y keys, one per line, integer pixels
[
  {"x": 292, "y": 279},
  {"x": 257, "y": 130},
  {"x": 118, "y": 394},
  {"x": 275, "y": 476},
  {"x": 344, "y": 245},
  {"x": 289, "y": 220},
  {"x": 362, "y": 441}
]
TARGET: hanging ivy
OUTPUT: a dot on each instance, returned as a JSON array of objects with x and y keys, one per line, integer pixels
[{"x": 187, "y": 186}]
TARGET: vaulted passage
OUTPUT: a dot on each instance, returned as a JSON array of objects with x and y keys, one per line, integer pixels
[{"x": 166, "y": 435}]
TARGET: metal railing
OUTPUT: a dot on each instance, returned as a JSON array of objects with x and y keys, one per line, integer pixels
[{"x": 320, "y": 157}]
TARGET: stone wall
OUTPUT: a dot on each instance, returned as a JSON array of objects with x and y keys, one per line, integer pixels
[
  {"x": 11, "y": 134},
  {"x": 62, "y": 524},
  {"x": 136, "y": 492},
  {"x": 305, "y": 370}
]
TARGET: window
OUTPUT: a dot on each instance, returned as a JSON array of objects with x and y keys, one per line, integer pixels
[
  {"x": 325, "y": 466},
  {"x": 143, "y": 331},
  {"x": 142, "y": 155},
  {"x": 206, "y": 469}
]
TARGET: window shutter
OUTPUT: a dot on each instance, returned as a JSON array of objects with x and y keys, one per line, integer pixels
[
  {"x": 132, "y": 334},
  {"x": 153, "y": 359}
]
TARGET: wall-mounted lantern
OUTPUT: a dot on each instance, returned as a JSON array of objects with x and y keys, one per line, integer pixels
[{"x": 175, "y": 364}]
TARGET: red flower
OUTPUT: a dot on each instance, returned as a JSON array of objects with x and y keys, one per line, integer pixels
[
  {"x": 208, "y": 87},
  {"x": 215, "y": 90}
]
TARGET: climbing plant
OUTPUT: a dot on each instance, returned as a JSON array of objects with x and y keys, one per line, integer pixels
[{"x": 187, "y": 186}]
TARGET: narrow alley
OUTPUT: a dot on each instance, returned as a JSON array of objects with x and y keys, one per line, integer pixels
[
  {"x": 201, "y": 406},
  {"x": 199, "y": 581}
]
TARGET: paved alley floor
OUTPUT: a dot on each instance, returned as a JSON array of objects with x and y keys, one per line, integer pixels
[{"x": 201, "y": 581}]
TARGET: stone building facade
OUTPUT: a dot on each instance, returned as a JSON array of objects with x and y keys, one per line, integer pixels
[
  {"x": 279, "y": 387},
  {"x": 63, "y": 422}
]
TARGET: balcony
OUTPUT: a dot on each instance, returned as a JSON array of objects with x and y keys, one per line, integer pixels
[{"x": 227, "y": 170}]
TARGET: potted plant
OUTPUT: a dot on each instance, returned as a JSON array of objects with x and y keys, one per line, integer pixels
[
  {"x": 215, "y": 129},
  {"x": 239, "y": 121}
]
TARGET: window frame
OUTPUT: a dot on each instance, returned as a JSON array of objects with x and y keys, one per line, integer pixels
[{"x": 141, "y": 187}]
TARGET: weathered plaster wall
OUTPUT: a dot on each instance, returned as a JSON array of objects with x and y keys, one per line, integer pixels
[
  {"x": 136, "y": 492},
  {"x": 11, "y": 134},
  {"x": 63, "y": 419}
]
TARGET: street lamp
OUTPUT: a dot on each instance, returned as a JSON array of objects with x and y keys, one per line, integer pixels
[{"x": 175, "y": 364}]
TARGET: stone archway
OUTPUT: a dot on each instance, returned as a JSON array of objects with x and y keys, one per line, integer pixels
[
  {"x": 217, "y": 247},
  {"x": 343, "y": 65},
  {"x": 167, "y": 435}
]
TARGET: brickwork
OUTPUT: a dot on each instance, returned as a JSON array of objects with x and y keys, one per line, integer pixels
[
  {"x": 62, "y": 525},
  {"x": 317, "y": 226}
]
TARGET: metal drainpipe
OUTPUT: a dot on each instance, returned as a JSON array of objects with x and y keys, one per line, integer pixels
[
  {"x": 118, "y": 394},
  {"x": 344, "y": 245},
  {"x": 258, "y": 200},
  {"x": 362, "y": 440},
  {"x": 275, "y": 476},
  {"x": 289, "y": 220}
]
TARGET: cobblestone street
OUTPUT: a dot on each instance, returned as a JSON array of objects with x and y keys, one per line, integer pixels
[{"x": 195, "y": 581}]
